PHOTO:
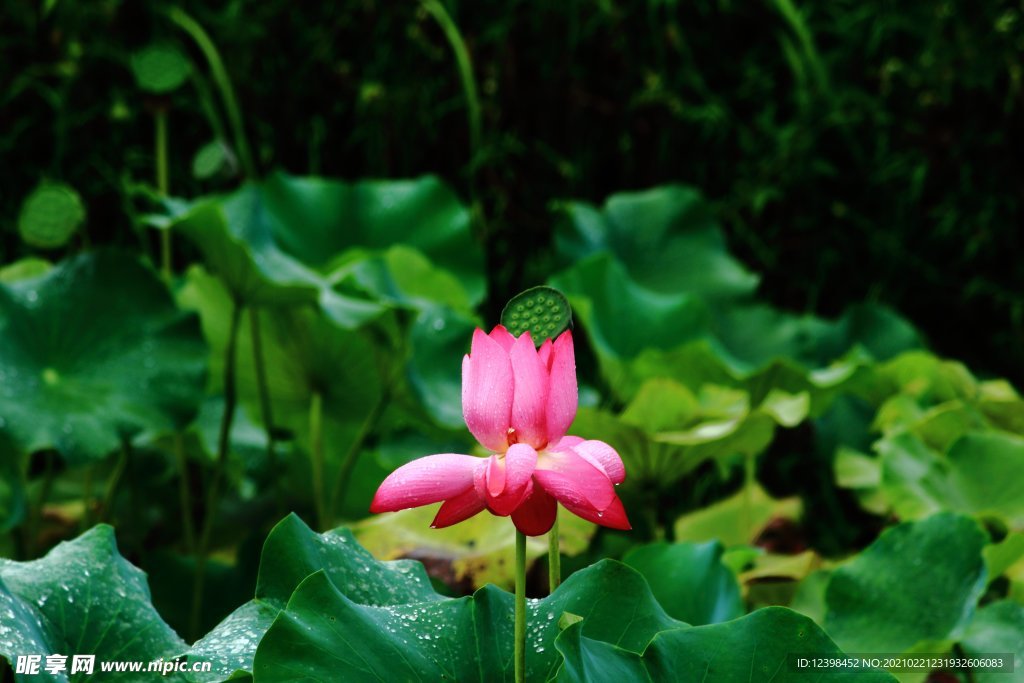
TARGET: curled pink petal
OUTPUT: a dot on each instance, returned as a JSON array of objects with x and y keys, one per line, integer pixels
[
  {"x": 530, "y": 395},
  {"x": 458, "y": 509},
  {"x": 518, "y": 465},
  {"x": 563, "y": 394},
  {"x": 536, "y": 514},
  {"x": 495, "y": 476},
  {"x": 573, "y": 480},
  {"x": 487, "y": 388},
  {"x": 602, "y": 456},
  {"x": 424, "y": 481},
  {"x": 566, "y": 443},
  {"x": 503, "y": 337},
  {"x": 614, "y": 516}
]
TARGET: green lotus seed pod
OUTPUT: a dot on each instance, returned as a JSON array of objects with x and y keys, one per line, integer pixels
[
  {"x": 542, "y": 311},
  {"x": 50, "y": 215},
  {"x": 159, "y": 68}
]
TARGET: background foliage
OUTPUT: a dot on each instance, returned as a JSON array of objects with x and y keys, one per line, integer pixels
[{"x": 244, "y": 247}]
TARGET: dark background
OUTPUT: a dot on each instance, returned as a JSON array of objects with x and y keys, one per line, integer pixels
[{"x": 853, "y": 150}]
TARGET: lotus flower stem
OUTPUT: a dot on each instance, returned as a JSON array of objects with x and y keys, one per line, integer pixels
[
  {"x": 115, "y": 478},
  {"x": 266, "y": 412},
  {"x": 554, "y": 557},
  {"x": 163, "y": 186},
  {"x": 184, "y": 493},
  {"x": 749, "y": 480},
  {"x": 223, "y": 444},
  {"x": 520, "y": 623},
  {"x": 316, "y": 452},
  {"x": 223, "y": 81}
]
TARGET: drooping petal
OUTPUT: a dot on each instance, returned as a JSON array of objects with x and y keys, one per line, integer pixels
[
  {"x": 614, "y": 516},
  {"x": 458, "y": 509},
  {"x": 530, "y": 397},
  {"x": 487, "y": 391},
  {"x": 501, "y": 335},
  {"x": 573, "y": 480},
  {"x": 563, "y": 394},
  {"x": 536, "y": 514},
  {"x": 602, "y": 456},
  {"x": 518, "y": 467},
  {"x": 424, "y": 481}
]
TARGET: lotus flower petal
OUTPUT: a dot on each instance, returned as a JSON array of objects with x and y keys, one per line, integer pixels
[
  {"x": 517, "y": 471},
  {"x": 563, "y": 394},
  {"x": 614, "y": 516},
  {"x": 424, "y": 481},
  {"x": 602, "y": 456},
  {"x": 572, "y": 480},
  {"x": 530, "y": 397},
  {"x": 504, "y": 338},
  {"x": 536, "y": 514},
  {"x": 458, "y": 509},
  {"x": 487, "y": 389}
]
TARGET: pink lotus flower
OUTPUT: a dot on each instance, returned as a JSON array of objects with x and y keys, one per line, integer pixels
[{"x": 518, "y": 401}]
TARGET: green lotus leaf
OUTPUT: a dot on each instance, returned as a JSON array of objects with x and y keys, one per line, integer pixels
[
  {"x": 666, "y": 237},
  {"x": 438, "y": 339},
  {"x": 95, "y": 352},
  {"x": 458, "y": 639},
  {"x": 737, "y": 519},
  {"x": 919, "y": 581},
  {"x": 756, "y": 647},
  {"x": 25, "y": 269},
  {"x": 50, "y": 215},
  {"x": 292, "y": 552},
  {"x": 13, "y": 501},
  {"x": 160, "y": 68},
  {"x": 689, "y": 580},
  {"x": 82, "y": 598},
  {"x": 997, "y": 628}
]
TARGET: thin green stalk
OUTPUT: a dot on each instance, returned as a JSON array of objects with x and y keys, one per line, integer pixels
[
  {"x": 35, "y": 521},
  {"x": 520, "y": 625},
  {"x": 163, "y": 186},
  {"x": 473, "y": 110},
  {"x": 223, "y": 442},
  {"x": 115, "y": 479},
  {"x": 554, "y": 557},
  {"x": 220, "y": 77},
  {"x": 184, "y": 493},
  {"x": 749, "y": 480},
  {"x": 340, "y": 489},
  {"x": 262, "y": 388},
  {"x": 316, "y": 451},
  {"x": 87, "y": 499}
]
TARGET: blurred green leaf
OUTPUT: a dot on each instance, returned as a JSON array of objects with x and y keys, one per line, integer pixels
[
  {"x": 996, "y": 628},
  {"x": 50, "y": 215},
  {"x": 689, "y": 580},
  {"x": 95, "y": 352},
  {"x": 920, "y": 581},
  {"x": 160, "y": 68}
]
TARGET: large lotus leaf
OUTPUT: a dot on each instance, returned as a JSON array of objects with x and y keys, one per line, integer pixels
[
  {"x": 292, "y": 552},
  {"x": 927, "y": 378},
  {"x": 82, "y": 598},
  {"x": 304, "y": 354},
  {"x": 997, "y": 628},
  {"x": 716, "y": 425},
  {"x": 402, "y": 276},
  {"x": 689, "y": 580},
  {"x": 95, "y": 352},
  {"x": 463, "y": 639},
  {"x": 13, "y": 501},
  {"x": 760, "y": 646},
  {"x": 438, "y": 339},
  {"x": 666, "y": 237},
  {"x": 477, "y": 552},
  {"x": 737, "y": 519},
  {"x": 1001, "y": 404},
  {"x": 623, "y": 318},
  {"x": 986, "y": 472},
  {"x": 315, "y": 219},
  {"x": 919, "y": 581},
  {"x": 978, "y": 475}
]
